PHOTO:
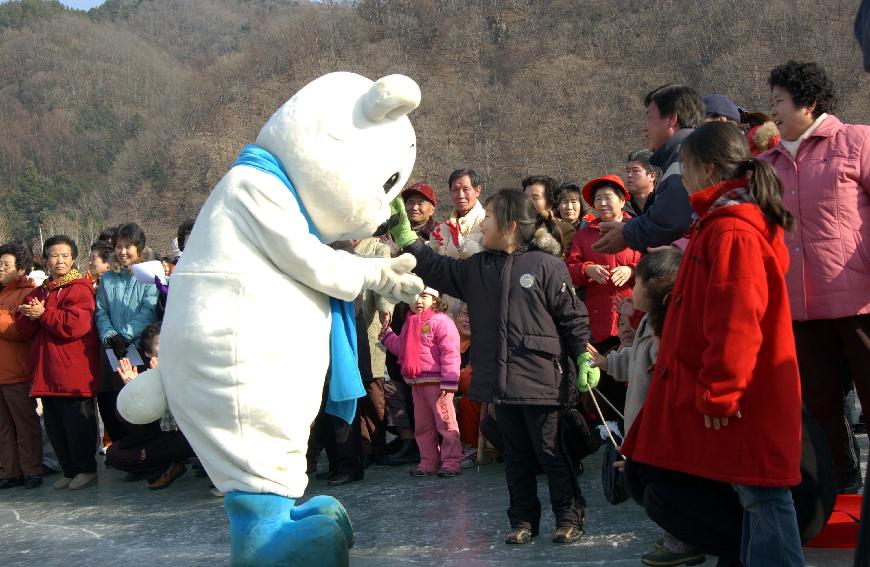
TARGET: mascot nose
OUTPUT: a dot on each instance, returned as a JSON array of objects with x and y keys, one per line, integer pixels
[{"x": 390, "y": 98}]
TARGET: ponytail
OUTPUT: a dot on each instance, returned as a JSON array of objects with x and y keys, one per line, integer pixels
[
  {"x": 766, "y": 186},
  {"x": 722, "y": 145}
]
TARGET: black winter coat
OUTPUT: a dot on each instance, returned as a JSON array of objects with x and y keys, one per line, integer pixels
[
  {"x": 667, "y": 214},
  {"x": 527, "y": 323}
]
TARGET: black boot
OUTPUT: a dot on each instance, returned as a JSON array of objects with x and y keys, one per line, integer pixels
[{"x": 408, "y": 454}]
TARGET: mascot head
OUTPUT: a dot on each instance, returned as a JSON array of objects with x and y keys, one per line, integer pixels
[{"x": 348, "y": 147}]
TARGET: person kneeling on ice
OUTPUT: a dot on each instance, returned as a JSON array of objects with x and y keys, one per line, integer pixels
[
  {"x": 527, "y": 320},
  {"x": 428, "y": 351}
]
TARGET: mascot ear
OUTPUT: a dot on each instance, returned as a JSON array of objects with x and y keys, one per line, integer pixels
[{"x": 390, "y": 98}]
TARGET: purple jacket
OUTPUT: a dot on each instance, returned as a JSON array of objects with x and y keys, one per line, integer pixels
[
  {"x": 827, "y": 189},
  {"x": 439, "y": 354}
]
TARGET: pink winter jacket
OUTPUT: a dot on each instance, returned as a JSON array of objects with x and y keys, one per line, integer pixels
[
  {"x": 827, "y": 189},
  {"x": 439, "y": 354}
]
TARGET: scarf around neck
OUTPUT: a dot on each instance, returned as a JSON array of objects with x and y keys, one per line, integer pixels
[
  {"x": 345, "y": 383},
  {"x": 62, "y": 281},
  {"x": 413, "y": 340}
]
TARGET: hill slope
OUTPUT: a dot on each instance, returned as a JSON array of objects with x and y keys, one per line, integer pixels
[{"x": 134, "y": 110}]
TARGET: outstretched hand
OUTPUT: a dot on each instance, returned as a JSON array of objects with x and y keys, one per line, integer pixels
[
  {"x": 127, "y": 371},
  {"x": 392, "y": 279},
  {"x": 587, "y": 377}
]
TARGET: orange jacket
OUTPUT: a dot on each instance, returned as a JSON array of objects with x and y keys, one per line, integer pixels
[{"x": 14, "y": 348}]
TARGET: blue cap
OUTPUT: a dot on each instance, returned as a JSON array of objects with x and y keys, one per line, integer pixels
[{"x": 721, "y": 105}]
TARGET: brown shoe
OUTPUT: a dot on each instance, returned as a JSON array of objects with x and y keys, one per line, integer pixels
[
  {"x": 519, "y": 536},
  {"x": 567, "y": 535},
  {"x": 174, "y": 471}
]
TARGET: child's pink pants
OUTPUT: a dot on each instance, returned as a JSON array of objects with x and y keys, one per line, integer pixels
[{"x": 433, "y": 414}]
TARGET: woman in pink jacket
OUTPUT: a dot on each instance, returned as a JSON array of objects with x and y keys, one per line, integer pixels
[
  {"x": 824, "y": 165},
  {"x": 428, "y": 351}
]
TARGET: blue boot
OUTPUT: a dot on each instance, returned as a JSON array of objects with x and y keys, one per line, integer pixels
[{"x": 267, "y": 530}]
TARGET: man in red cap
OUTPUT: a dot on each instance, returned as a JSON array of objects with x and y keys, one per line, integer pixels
[{"x": 420, "y": 204}]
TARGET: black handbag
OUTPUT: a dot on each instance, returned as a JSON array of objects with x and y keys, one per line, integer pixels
[{"x": 612, "y": 479}]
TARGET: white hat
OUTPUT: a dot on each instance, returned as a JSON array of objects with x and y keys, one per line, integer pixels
[{"x": 430, "y": 291}]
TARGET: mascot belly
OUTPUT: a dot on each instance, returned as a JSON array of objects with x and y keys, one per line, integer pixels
[{"x": 258, "y": 308}]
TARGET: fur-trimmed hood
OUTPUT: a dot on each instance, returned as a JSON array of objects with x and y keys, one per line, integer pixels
[{"x": 544, "y": 241}]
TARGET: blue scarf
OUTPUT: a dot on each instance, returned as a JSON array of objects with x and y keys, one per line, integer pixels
[{"x": 345, "y": 384}]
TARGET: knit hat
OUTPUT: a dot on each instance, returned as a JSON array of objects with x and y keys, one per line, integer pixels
[{"x": 429, "y": 291}]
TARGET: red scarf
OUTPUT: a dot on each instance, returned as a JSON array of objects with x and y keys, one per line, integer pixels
[{"x": 414, "y": 342}]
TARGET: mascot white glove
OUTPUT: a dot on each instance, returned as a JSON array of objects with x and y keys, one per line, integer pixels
[{"x": 392, "y": 279}]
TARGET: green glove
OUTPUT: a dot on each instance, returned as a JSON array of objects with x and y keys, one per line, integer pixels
[
  {"x": 587, "y": 377},
  {"x": 400, "y": 226}
]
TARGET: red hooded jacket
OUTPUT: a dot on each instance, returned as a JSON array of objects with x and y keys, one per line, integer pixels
[
  {"x": 65, "y": 356},
  {"x": 603, "y": 318},
  {"x": 727, "y": 345}
]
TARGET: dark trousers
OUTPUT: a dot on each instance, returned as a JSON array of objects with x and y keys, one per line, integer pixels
[
  {"x": 20, "y": 432},
  {"x": 399, "y": 399},
  {"x": 822, "y": 345},
  {"x": 703, "y": 513},
  {"x": 341, "y": 441},
  {"x": 116, "y": 427},
  {"x": 148, "y": 455},
  {"x": 373, "y": 424},
  {"x": 531, "y": 437},
  {"x": 71, "y": 424}
]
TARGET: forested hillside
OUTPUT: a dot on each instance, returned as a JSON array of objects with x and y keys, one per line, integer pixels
[{"x": 134, "y": 110}]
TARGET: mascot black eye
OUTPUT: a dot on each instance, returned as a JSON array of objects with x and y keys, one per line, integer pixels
[{"x": 391, "y": 182}]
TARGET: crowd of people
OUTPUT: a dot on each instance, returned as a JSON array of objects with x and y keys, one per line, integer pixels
[{"x": 705, "y": 293}]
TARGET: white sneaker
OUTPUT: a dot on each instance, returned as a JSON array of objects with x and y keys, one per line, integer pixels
[
  {"x": 62, "y": 483},
  {"x": 83, "y": 480}
]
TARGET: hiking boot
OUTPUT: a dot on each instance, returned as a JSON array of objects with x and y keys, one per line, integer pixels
[
  {"x": 519, "y": 536},
  {"x": 569, "y": 534},
  {"x": 33, "y": 481},
  {"x": 63, "y": 482},
  {"x": 83, "y": 480},
  {"x": 665, "y": 558},
  {"x": 174, "y": 471}
]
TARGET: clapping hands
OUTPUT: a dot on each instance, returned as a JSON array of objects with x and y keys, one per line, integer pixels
[{"x": 33, "y": 310}]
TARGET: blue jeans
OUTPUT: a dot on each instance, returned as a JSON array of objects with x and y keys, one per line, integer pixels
[{"x": 770, "y": 529}]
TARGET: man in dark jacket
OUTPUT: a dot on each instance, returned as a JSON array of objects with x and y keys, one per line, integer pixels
[{"x": 672, "y": 111}]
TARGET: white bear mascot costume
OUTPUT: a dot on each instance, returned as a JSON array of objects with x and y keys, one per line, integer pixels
[{"x": 257, "y": 305}]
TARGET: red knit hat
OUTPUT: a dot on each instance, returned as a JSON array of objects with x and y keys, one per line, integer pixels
[
  {"x": 423, "y": 189},
  {"x": 610, "y": 180}
]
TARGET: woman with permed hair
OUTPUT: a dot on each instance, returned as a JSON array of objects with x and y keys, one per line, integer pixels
[{"x": 824, "y": 165}]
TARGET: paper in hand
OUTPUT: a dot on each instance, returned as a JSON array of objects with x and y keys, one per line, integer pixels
[
  {"x": 132, "y": 355},
  {"x": 145, "y": 272}
]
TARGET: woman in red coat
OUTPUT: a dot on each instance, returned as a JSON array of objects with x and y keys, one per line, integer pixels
[
  {"x": 723, "y": 411},
  {"x": 606, "y": 278},
  {"x": 64, "y": 361}
]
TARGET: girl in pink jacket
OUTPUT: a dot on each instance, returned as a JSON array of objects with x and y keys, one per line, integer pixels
[{"x": 428, "y": 352}]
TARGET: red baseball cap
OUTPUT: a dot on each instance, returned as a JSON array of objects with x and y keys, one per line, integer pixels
[
  {"x": 423, "y": 189},
  {"x": 610, "y": 180}
]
